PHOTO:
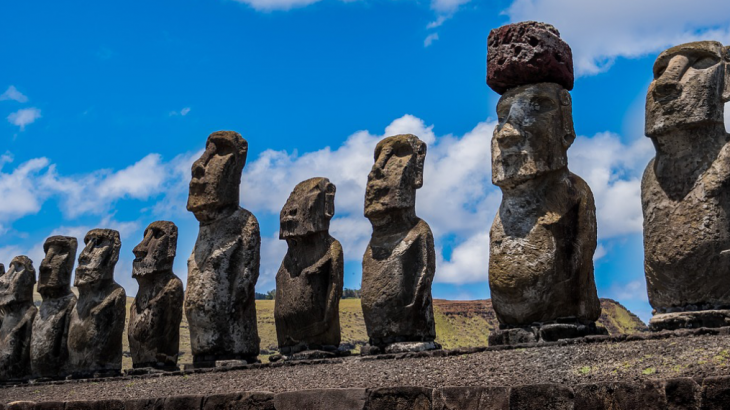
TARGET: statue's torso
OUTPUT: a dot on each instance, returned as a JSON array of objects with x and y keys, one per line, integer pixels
[
  {"x": 396, "y": 285},
  {"x": 15, "y": 339},
  {"x": 541, "y": 250},
  {"x": 49, "y": 350},
  {"x": 687, "y": 240},
  {"x": 96, "y": 330},
  {"x": 222, "y": 273},
  {"x": 305, "y": 295}
]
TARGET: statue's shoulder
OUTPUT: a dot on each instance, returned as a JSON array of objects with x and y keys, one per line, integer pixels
[
  {"x": 117, "y": 292},
  {"x": 421, "y": 229},
  {"x": 246, "y": 217}
]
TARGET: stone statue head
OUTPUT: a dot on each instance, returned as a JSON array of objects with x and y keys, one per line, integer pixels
[
  {"x": 534, "y": 133},
  {"x": 54, "y": 274},
  {"x": 216, "y": 175},
  {"x": 16, "y": 285},
  {"x": 156, "y": 252},
  {"x": 691, "y": 85},
  {"x": 98, "y": 258},
  {"x": 309, "y": 209},
  {"x": 2, "y": 269},
  {"x": 396, "y": 174}
]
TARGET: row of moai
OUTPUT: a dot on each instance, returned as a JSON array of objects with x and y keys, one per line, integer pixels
[{"x": 542, "y": 240}]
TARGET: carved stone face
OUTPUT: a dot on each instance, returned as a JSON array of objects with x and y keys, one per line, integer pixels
[
  {"x": 16, "y": 285},
  {"x": 396, "y": 174},
  {"x": 156, "y": 252},
  {"x": 97, "y": 260},
  {"x": 217, "y": 175},
  {"x": 533, "y": 135},
  {"x": 309, "y": 209},
  {"x": 55, "y": 270},
  {"x": 691, "y": 84}
]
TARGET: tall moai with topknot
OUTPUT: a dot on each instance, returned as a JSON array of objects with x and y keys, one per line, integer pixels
[
  {"x": 18, "y": 312},
  {"x": 97, "y": 321},
  {"x": 544, "y": 235},
  {"x": 310, "y": 279},
  {"x": 223, "y": 269},
  {"x": 49, "y": 347},
  {"x": 684, "y": 191},
  {"x": 400, "y": 261}
]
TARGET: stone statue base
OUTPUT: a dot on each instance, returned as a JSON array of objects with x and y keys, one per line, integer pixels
[
  {"x": 205, "y": 362},
  {"x": 95, "y": 374},
  {"x": 142, "y": 370},
  {"x": 690, "y": 320},
  {"x": 309, "y": 352},
  {"x": 399, "y": 347},
  {"x": 543, "y": 333}
]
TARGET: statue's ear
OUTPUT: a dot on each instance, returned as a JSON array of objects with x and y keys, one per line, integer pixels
[
  {"x": 566, "y": 110},
  {"x": 420, "y": 161},
  {"x": 329, "y": 200}
]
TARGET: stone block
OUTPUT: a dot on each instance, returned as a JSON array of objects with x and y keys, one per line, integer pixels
[
  {"x": 145, "y": 404},
  {"x": 21, "y": 405},
  {"x": 542, "y": 396},
  {"x": 240, "y": 401},
  {"x": 716, "y": 393},
  {"x": 471, "y": 398},
  {"x": 48, "y": 405},
  {"x": 95, "y": 405},
  {"x": 330, "y": 399},
  {"x": 682, "y": 393},
  {"x": 399, "y": 398},
  {"x": 183, "y": 402},
  {"x": 608, "y": 396}
]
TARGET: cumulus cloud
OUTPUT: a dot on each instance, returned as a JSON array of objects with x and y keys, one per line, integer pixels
[
  {"x": 12, "y": 93},
  {"x": 634, "y": 290},
  {"x": 430, "y": 39},
  {"x": 271, "y": 5},
  {"x": 24, "y": 116},
  {"x": 625, "y": 28},
  {"x": 613, "y": 171}
]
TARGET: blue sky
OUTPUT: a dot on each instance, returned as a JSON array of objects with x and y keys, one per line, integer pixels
[{"x": 104, "y": 106}]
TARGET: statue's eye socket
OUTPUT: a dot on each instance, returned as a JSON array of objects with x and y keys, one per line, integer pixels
[
  {"x": 541, "y": 105},
  {"x": 222, "y": 148},
  {"x": 402, "y": 151},
  {"x": 659, "y": 70},
  {"x": 705, "y": 62},
  {"x": 157, "y": 234}
]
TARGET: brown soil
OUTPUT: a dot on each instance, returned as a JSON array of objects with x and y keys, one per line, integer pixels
[{"x": 628, "y": 361}]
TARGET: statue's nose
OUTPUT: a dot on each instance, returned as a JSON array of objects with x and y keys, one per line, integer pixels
[
  {"x": 508, "y": 136},
  {"x": 668, "y": 83}
]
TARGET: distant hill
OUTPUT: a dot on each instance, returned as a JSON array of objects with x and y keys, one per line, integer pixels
[{"x": 458, "y": 324}]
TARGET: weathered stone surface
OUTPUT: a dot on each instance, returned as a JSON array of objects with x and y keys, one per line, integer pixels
[
  {"x": 625, "y": 396},
  {"x": 682, "y": 394},
  {"x": 145, "y": 404},
  {"x": 330, "y": 399},
  {"x": 49, "y": 348},
  {"x": 224, "y": 265},
  {"x": 155, "y": 315},
  {"x": 95, "y": 405},
  {"x": 542, "y": 396},
  {"x": 97, "y": 321},
  {"x": 310, "y": 279},
  {"x": 471, "y": 398},
  {"x": 51, "y": 405},
  {"x": 21, "y": 405},
  {"x": 692, "y": 319},
  {"x": 16, "y": 304},
  {"x": 527, "y": 53},
  {"x": 683, "y": 191},
  {"x": 400, "y": 260},
  {"x": 242, "y": 401},
  {"x": 514, "y": 336},
  {"x": 399, "y": 398},
  {"x": 544, "y": 235},
  {"x": 403, "y": 347},
  {"x": 716, "y": 393},
  {"x": 183, "y": 402}
]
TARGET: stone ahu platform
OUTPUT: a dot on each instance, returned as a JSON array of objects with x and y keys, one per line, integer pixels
[{"x": 685, "y": 369}]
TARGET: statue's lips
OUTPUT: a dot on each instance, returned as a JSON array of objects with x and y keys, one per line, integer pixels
[{"x": 197, "y": 187}]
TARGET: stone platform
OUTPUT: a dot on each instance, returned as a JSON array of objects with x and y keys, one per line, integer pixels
[
  {"x": 544, "y": 333},
  {"x": 690, "y": 320}
]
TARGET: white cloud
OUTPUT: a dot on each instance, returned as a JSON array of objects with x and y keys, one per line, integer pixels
[
  {"x": 271, "y": 5},
  {"x": 20, "y": 191},
  {"x": 613, "y": 171},
  {"x": 25, "y": 116},
  {"x": 625, "y": 28},
  {"x": 181, "y": 113},
  {"x": 12, "y": 93},
  {"x": 430, "y": 39},
  {"x": 634, "y": 290}
]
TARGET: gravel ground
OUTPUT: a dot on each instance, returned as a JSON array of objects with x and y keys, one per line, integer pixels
[{"x": 628, "y": 361}]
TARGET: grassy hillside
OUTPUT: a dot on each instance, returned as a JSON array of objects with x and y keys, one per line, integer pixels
[{"x": 458, "y": 324}]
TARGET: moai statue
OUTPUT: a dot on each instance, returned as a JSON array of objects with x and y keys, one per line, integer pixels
[
  {"x": 309, "y": 281},
  {"x": 16, "y": 305},
  {"x": 49, "y": 347},
  {"x": 97, "y": 321},
  {"x": 400, "y": 260},
  {"x": 155, "y": 315},
  {"x": 224, "y": 266},
  {"x": 684, "y": 192},
  {"x": 544, "y": 235}
]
